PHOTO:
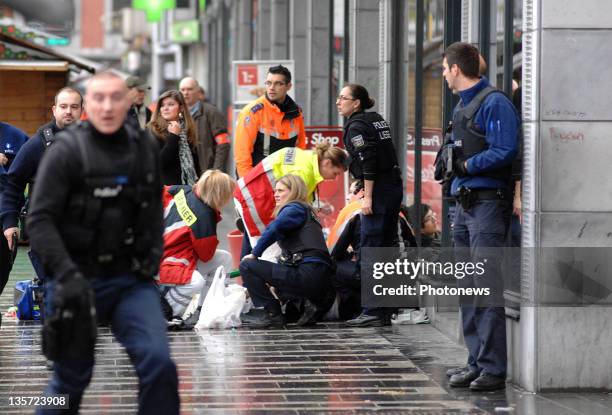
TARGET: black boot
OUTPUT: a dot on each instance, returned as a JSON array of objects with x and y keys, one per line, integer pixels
[
  {"x": 309, "y": 315},
  {"x": 258, "y": 318}
]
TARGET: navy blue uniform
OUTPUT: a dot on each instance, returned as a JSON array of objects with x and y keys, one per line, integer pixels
[
  {"x": 484, "y": 224},
  {"x": 22, "y": 172},
  {"x": 11, "y": 140},
  {"x": 310, "y": 278}
]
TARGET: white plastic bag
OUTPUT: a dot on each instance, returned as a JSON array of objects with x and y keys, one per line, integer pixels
[{"x": 222, "y": 305}]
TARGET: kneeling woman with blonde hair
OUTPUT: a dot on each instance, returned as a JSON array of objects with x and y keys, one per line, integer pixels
[
  {"x": 190, "y": 242},
  {"x": 304, "y": 268}
]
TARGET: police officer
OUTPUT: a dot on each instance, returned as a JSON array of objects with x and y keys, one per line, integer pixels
[
  {"x": 96, "y": 220},
  {"x": 67, "y": 108},
  {"x": 367, "y": 137},
  {"x": 304, "y": 267},
  {"x": 485, "y": 142}
]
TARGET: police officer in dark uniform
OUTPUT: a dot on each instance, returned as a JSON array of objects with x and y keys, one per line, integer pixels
[
  {"x": 304, "y": 267},
  {"x": 367, "y": 138},
  {"x": 485, "y": 142},
  {"x": 67, "y": 108},
  {"x": 96, "y": 220}
]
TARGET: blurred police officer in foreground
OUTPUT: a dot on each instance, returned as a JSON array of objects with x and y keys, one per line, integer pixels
[{"x": 96, "y": 220}]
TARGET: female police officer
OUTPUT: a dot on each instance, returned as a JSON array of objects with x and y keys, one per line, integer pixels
[
  {"x": 304, "y": 268},
  {"x": 367, "y": 138}
]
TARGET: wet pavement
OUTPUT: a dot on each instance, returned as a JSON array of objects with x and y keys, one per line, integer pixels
[{"x": 328, "y": 368}]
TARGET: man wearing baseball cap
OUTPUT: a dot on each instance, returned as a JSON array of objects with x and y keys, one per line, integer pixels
[{"x": 138, "y": 115}]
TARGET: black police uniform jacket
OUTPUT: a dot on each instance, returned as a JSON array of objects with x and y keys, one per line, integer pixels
[
  {"x": 97, "y": 206},
  {"x": 367, "y": 138}
]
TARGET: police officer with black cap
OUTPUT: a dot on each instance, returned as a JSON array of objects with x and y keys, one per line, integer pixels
[
  {"x": 367, "y": 138},
  {"x": 96, "y": 220}
]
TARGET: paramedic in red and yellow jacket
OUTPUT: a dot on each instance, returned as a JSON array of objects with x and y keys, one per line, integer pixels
[
  {"x": 269, "y": 123},
  {"x": 190, "y": 237}
]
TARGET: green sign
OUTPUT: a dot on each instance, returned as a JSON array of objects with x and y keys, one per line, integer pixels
[
  {"x": 187, "y": 31},
  {"x": 63, "y": 41},
  {"x": 154, "y": 8}
]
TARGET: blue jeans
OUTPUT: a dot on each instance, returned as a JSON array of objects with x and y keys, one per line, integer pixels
[
  {"x": 133, "y": 309},
  {"x": 482, "y": 227}
]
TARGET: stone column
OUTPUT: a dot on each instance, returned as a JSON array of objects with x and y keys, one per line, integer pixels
[{"x": 567, "y": 194}]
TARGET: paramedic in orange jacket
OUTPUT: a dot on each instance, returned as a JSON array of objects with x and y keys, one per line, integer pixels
[{"x": 268, "y": 124}]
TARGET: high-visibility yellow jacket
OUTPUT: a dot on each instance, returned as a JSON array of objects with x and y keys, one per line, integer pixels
[{"x": 254, "y": 195}]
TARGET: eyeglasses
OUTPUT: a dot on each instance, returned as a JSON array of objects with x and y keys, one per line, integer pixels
[
  {"x": 274, "y": 84},
  {"x": 343, "y": 98}
]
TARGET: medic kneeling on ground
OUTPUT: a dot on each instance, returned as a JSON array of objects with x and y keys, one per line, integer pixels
[{"x": 190, "y": 254}]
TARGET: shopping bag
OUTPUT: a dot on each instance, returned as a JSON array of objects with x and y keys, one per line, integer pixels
[{"x": 222, "y": 306}]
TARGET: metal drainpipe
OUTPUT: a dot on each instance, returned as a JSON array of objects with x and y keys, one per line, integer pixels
[
  {"x": 452, "y": 34},
  {"x": 508, "y": 45},
  {"x": 418, "y": 116}
]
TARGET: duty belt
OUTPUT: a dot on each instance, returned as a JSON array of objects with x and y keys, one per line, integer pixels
[{"x": 467, "y": 197}]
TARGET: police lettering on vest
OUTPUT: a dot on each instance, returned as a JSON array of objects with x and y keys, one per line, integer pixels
[
  {"x": 112, "y": 202},
  {"x": 368, "y": 141}
]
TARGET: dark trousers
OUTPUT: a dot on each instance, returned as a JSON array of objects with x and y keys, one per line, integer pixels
[
  {"x": 133, "y": 309},
  {"x": 380, "y": 228},
  {"x": 311, "y": 280},
  {"x": 483, "y": 229},
  {"x": 347, "y": 283}
]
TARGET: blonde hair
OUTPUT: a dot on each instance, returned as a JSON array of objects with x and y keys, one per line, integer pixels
[
  {"x": 159, "y": 126},
  {"x": 215, "y": 188},
  {"x": 298, "y": 192},
  {"x": 336, "y": 155}
]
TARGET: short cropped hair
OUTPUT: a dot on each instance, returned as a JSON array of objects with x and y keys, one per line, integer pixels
[
  {"x": 465, "y": 56},
  {"x": 281, "y": 70},
  {"x": 70, "y": 90}
]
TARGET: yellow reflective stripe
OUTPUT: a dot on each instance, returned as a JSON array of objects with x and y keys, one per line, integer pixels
[{"x": 183, "y": 210}]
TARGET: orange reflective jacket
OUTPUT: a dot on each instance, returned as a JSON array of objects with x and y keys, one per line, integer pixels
[{"x": 262, "y": 129}]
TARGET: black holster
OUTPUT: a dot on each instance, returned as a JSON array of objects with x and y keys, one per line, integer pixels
[{"x": 466, "y": 198}]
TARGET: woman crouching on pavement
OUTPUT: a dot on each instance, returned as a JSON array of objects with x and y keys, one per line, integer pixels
[
  {"x": 190, "y": 243},
  {"x": 304, "y": 269}
]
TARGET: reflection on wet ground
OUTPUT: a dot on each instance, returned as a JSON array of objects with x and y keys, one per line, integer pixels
[{"x": 326, "y": 368}]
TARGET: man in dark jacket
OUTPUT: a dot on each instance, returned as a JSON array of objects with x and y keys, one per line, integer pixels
[
  {"x": 213, "y": 142},
  {"x": 96, "y": 220},
  {"x": 138, "y": 114},
  {"x": 67, "y": 109}
]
